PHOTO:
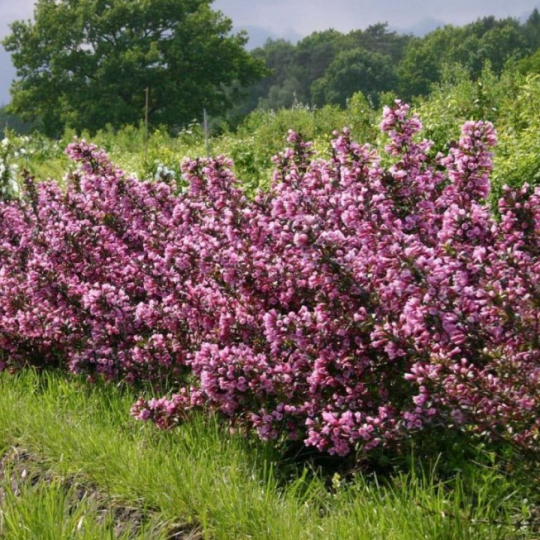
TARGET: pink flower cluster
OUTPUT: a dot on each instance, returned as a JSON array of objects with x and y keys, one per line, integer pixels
[{"x": 352, "y": 303}]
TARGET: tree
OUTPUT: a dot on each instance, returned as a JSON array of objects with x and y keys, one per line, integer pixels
[
  {"x": 486, "y": 41},
  {"x": 531, "y": 64},
  {"x": 377, "y": 38},
  {"x": 357, "y": 70},
  {"x": 278, "y": 56},
  {"x": 532, "y": 29},
  {"x": 87, "y": 63}
]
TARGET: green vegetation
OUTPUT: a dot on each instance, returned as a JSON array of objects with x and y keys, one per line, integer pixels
[
  {"x": 322, "y": 61},
  {"x": 329, "y": 67},
  {"x": 511, "y": 100},
  {"x": 85, "y": 64},
  {"x": 251, "y": 146},
  {"x": 93, "y": 77},
  {"x": 353, "y": 71},
  {"x": 72, "y": 462},
  {"x": 75, "y": 465}
]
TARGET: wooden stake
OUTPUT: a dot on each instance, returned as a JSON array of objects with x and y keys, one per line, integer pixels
[
  {"x": 147, "y": 91},
  {"x": 206, "y": 137}
]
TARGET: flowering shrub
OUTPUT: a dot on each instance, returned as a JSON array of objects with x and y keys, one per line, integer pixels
[{"x": 347, "y": 306}]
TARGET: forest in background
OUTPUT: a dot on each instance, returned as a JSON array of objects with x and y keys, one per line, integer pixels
[{"x": 329, "y": 67}]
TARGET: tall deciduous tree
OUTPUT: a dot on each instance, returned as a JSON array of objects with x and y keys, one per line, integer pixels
[
  {"x": 357, "y": 70},
  {"x": 87, "y": 63}
]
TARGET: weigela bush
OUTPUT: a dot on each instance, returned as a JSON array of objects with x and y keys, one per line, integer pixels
[{"x": 359, "y": 299}]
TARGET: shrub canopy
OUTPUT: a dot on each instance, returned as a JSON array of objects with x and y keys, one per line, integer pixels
[{"x": 362, "y": 298}]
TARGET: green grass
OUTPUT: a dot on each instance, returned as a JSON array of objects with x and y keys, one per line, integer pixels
[
  {"x": 55, "y": 511},
  {"x": 96, "y": 473}
]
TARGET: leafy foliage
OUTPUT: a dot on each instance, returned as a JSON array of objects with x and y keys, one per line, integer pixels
[
  {"x": 329, "y": 66},
  {"x": 353, "y": 71},
  {"x": 252, "y": 145},
  {"x": 471, "y": 46},
  {"x": 85, "y": 64},
  {"x": 299, "y": 72}
]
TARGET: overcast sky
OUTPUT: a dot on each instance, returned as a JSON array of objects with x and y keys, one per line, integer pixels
[
  {"x": 295, "y": 18},
  {"x": 306, "y": 16}
]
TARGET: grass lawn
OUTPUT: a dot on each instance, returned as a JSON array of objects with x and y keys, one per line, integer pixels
[{"x": 74, "y": 465}]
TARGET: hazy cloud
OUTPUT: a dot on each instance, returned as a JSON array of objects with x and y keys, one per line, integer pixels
[{"x": 306, "y": 16}]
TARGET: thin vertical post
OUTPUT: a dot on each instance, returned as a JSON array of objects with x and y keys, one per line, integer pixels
[
  {"x": 147, "y": 91},
  {"x": 206, "y": 137}
]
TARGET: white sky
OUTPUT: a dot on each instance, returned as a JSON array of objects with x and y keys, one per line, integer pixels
[{"x": 306, "y": 16}]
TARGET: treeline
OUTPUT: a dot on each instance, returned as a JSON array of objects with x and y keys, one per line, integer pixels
[
  {"x": 329, "y": 67},
  {"x": 324, "y": 69}
]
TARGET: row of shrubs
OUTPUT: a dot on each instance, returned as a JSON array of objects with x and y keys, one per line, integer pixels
[
  {"x": 511, "y": 101},
  {"x": 360, "y": 299}
]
